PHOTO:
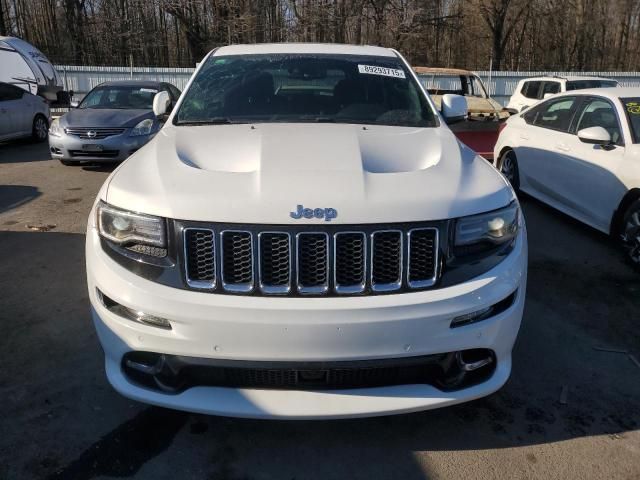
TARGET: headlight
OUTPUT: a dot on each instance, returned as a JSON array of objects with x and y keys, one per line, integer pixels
[
  {"x": 488, "y": 230},
  {"x": 124, "y": 227},
  {"x": 55, "y": 129},
  {"x": 142, "y": 128}
]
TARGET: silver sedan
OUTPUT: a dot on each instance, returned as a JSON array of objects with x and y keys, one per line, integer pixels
[
  {"x": 22, "y": 114},
  {"x": 113, "y": 121}
]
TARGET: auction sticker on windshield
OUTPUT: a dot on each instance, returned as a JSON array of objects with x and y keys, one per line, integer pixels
[{"x": 387, "y": 72}]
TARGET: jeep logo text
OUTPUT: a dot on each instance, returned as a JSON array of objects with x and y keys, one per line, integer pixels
[{"x": 327, "y": 213}]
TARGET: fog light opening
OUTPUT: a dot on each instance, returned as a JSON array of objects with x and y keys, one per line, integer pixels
[
  {"x": 473, "y": 360},
  {"x": 467, "y": 368},
  {"x": 131, "y": 314}
]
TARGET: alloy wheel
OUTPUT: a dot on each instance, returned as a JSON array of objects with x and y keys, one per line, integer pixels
[
  {"x": 631, "y": 236},
  {"x": 508, "y": 167},
  {"x": 41, "y": 128}
]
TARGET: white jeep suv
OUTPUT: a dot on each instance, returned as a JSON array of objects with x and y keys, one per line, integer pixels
[{"x": 305, "y": 238}]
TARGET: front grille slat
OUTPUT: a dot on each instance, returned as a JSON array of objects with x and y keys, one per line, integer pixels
[
  {"x": 300, "y": 261},
  {"x": 386, "y": 260},
  {"x": 237, "y": 261},
  {"x": 275, "y": 263},
  {"x": 313, "y": 263},
  {"x": 350, "y": 260},
  {"x": 96, "y": 154},
  {"x": 200, "y": 264},
  {"x": 97, "y": 133},
  {"x": 423, "y": 257}
]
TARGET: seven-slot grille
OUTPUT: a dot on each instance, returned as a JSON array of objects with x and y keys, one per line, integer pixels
[
  {"x": 273, "y": 262},
  {"x": 97, "y": 133}
]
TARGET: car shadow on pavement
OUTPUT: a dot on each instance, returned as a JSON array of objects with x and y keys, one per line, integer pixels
[
  {"x": 100, "y": 167},
  {"x": 62, "y": 420},
  {"x": 14, "y": 196},
  {"x": 21, "y": 151}
]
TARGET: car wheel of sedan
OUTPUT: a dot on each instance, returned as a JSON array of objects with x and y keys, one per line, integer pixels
[
  {"x": 631, "y": 233},
  {"x": 509, "y": 168},
  {"x": 40, "y": 129}
]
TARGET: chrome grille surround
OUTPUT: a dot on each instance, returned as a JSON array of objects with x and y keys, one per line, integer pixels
[
  {"x": 100, "y": 132},
  {"x": 336, "y": 260}
]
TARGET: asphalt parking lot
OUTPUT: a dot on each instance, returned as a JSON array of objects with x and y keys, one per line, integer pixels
[{"x": 570, "y": 410}]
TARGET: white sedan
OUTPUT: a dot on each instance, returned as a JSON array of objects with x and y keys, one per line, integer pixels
[
  {"x": 579, "y": 152},
  {"x": 22, "y": 114}
]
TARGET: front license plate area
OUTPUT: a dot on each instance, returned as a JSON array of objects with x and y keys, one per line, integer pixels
[{"x": 89, "y": 147}]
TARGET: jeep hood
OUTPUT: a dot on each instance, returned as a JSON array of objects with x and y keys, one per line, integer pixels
[{"x": 259, "y": 173}]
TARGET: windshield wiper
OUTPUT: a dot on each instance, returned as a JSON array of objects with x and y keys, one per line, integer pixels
[
  {"x": 209, "y": 121},
  {"x": 324, "y": 120}
]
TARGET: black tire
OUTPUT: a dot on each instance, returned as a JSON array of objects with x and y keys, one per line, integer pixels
[
  {"x": 630, "y": 234},
  {"x": 40, "y": 129},
  {"x": 508, "y": 166},
  {"x": 67, "y": 163}
]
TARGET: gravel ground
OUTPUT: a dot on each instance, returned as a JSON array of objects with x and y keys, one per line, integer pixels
[{"x": 61, "y": 420}]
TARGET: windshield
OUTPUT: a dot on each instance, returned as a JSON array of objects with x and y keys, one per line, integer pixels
[
  {"x": 632, "y": 107},
  {"x": 584, "y": 84},
  {"x": 438, "y": 84},
  {"x": 120, "y": 97},
  {"x": 305, "y": 88}
]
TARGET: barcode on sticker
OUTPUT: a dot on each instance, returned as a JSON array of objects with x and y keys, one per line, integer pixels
[{"x": 386, "y": 72}]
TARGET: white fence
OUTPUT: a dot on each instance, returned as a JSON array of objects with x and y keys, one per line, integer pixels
[
  {"x": 500, "y": 84},
  {"x": 82, "y": 79}
]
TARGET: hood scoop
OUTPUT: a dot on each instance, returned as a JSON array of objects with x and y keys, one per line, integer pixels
[
  {"x": 223, "y": 148},
  {"x": 290, "y": 148}
]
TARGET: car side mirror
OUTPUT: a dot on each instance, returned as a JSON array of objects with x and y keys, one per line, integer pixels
[
  {"x": 161, "y": 103},
  {"x": 595, "y": 136},
  {"x": 74, "y": 103},
  {"x": 454, "y": 108}
]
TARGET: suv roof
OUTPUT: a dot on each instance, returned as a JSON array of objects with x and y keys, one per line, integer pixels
[
  {"x": 568, "y": 78},
  {"x": 609, "y": 92},
  {"x": 319, "y": 48}
]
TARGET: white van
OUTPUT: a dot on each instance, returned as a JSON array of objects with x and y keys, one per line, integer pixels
[{"x": 24, "y": 66}]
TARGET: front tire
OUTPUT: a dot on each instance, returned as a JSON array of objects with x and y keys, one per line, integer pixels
[
  {"x": 630, "y": 230},
  {"x": 509, "y": 168},
  {"x": 40, "y": 129}
]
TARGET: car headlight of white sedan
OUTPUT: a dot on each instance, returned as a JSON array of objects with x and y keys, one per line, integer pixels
[
  {"x": 142, "y": 128},
  {"x": 55, "y": 129}
]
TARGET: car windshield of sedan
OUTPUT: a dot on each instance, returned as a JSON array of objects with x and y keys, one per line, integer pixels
[
  {"x": 120, "y": 97},
  {"x": 305, "y": 88},
  {"x": 632, "y": 107}
]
